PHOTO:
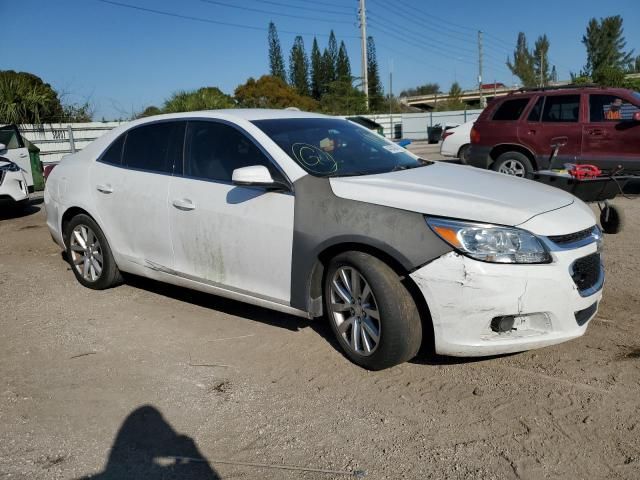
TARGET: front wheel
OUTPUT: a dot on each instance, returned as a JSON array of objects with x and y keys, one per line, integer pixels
[
  {"x": 513, "y": 163},
  {"x": 372, "y": 314}
]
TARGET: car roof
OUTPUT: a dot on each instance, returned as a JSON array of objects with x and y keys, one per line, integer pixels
[
  {"x": 560, "y": 90},
  {"x": 248, "y": 114}
]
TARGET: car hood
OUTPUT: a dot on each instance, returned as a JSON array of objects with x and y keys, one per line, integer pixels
[{"x": 455, "y": 191}]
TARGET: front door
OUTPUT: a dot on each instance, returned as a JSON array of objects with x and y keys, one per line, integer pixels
[
  {"x": 611, "y": 138},
  {"x": 235, "y": 237}
]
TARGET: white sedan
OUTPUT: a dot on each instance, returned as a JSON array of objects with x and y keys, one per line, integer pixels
[
  {"x": 318, "y": 217},
  {"x": 456, "y": 142}
]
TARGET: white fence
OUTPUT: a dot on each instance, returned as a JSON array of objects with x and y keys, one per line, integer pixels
[
  {"x": 59, "y": 139},
  {"x": 56, "y": 140}
]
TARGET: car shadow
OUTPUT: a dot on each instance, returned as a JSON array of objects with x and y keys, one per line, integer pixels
[
  {"x": 10, "y": 213},
  {"x": 220, "y": 304},
  {"x": 147, "y": 447}
]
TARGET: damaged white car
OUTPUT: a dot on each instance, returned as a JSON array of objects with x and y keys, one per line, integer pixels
[
  {"x": 316, "y": 216},
  {"x": 14, "y": 192}
]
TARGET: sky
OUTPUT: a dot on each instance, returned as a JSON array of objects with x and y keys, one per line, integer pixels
[{"x": 122, "y": 59}]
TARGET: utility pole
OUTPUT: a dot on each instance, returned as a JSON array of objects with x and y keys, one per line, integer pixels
[
  {"x": 483, "y": 102},
  {"x": 365, "y": 66},
  {"x": 541, "y": 68}
]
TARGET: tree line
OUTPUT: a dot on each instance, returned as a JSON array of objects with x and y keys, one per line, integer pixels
[{"x": 607, "y": 61}]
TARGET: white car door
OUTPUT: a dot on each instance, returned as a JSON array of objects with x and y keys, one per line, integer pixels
[
  {"x": 234, "y": 237},
  {"x": 130, "y": 185}
]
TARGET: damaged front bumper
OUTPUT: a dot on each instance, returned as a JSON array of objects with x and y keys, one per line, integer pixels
[{"x": 545, "y": 303}]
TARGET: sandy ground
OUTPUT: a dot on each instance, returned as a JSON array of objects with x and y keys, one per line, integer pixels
[{"x": 119, "y": 383}]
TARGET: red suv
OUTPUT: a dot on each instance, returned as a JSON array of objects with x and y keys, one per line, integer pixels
[{"x": 595, "y": 125}]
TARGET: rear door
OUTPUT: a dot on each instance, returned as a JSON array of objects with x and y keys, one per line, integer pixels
[
  {"x": 611, "y": 137},
  {"x": 130, "y": 185},
  {"x": 554, "y": 117},
  {"x": 234, "y": 237}
]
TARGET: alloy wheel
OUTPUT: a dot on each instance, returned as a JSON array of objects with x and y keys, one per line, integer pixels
[
  {"x": 513, "y": 167},
  {"x": 354, "y": 311},
  {"x": 86, "y": 253}
]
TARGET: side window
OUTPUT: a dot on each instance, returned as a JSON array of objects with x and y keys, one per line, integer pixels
[
  {"x": 561, "y": 108},
  {"x": 156, "y": 147},
  {"x": 9, "y": 136},
  {"x": 534, "y": 114},
  {"x": 609, "y": 108},
  {"x": 113, "y": 154},
  {"x": 511, "y": 109},
  {"x": 214, "y": 150}
]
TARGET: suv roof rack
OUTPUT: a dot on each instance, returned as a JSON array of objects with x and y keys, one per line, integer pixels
[{"x": 560, "y": 87}]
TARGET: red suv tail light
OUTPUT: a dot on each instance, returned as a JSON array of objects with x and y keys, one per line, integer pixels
[{"x": 475, "y": 136}]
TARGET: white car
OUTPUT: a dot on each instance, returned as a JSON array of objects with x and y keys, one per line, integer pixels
[
  {"x": 316, "y": 216},
  {"x": 456, "y": 142},
  {"x": 14, "y": 192}
]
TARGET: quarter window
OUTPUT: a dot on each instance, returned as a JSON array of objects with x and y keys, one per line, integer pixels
[
  {"x": 561, "y": 108},
  {"x": 214, "y": 150},
  {"x": 156, "y": 147},
  {"x": 609, "y": 108},
  {"x": 113, "y": 155},
  {"x": 511, "y": 109}
]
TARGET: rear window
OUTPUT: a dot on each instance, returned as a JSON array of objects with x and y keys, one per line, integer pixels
[
  {"x": 155, "y": 147},
  {"x": 511, "y": 109},
  {"x": 561, "y": 108}
]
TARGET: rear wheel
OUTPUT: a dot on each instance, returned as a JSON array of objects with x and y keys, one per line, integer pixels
[
  {"x": 89, "y": 254},
  {"x": 513, "y": 163},
  {"x": 371, "y": 313},
  {"x": 463, "y": 154}
]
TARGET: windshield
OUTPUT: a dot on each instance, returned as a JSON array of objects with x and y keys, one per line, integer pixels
[{"x": 331, "y": 147}]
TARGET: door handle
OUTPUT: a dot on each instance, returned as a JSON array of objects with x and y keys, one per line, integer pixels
[
  {"x": 531, "y": 132},
  {"x": 104, "y": 188},
  {"x": 23, "y": 155},
  {"x": 596, "y": 132},
  {"x": 184, "y": 204}
]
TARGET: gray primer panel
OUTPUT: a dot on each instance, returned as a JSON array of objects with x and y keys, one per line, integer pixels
[{"x": 322, "y": 220}]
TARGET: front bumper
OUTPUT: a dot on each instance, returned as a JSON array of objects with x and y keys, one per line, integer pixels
[
  {"x": 479, "y": 156},
  {"x": 464, "y": 295}
]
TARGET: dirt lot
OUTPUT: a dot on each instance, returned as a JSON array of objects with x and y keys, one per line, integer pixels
[{"x": 119, "y": 383}]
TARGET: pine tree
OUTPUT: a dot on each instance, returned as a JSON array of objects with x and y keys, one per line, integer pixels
[
  {"x": 276, "y": 61},
  {"x": 605, "y": 44},
  {"x": 327, "y": 72},
  {"x": 343, "y": 66},
  {"x": 522, "y": 65},
  {"x": 541, "y": 60},
  {"x": 316, "y": 70},
  {"x": 376, "y": 99},
  {"x": 554, "y": 74},
  {"x": 299, "y": 67},
  {"x": 332, "y": 52}
]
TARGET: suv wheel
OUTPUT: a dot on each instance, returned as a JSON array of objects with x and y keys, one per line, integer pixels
[
  {"x": 513, "y": 163},
  {"x": 89, "y": 254},
  {"x": 371, "y": 312}
]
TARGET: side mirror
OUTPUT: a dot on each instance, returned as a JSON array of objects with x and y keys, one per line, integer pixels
[
  {"x": 3, "y": 148},
  {"x": 255, "y": 176},
  {"x": 636, "y": 117}
]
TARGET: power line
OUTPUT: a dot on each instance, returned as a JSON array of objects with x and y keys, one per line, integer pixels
[
  {"x": 319, "y": 3},
  {"x": 312, "y": 9},
  {"x": 270, "y": 12},
  {"x": 210, "y": 21}
]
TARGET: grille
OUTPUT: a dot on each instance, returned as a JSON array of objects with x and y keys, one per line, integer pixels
[
  {"x": 586, "y": 271},
  {"x": 583, "y": 315},
  {"x": 571, "y": 237}
]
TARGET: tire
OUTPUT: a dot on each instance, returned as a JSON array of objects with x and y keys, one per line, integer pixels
[
  {"x": 513, "y": 163},
  {"x": 83, "y": 229},
  {"x": 611, "y": 220},
  {"x": 398, "y": 325},
  {"x": 463, "y": 154}
]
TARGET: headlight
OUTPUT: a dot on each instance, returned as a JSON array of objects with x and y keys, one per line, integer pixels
[
  {"x": 9, "y": 166},
  {"x": 490, "y": 243}
]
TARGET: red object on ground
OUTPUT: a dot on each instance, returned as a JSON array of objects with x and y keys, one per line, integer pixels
[{"x": 584, "y": 170}]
